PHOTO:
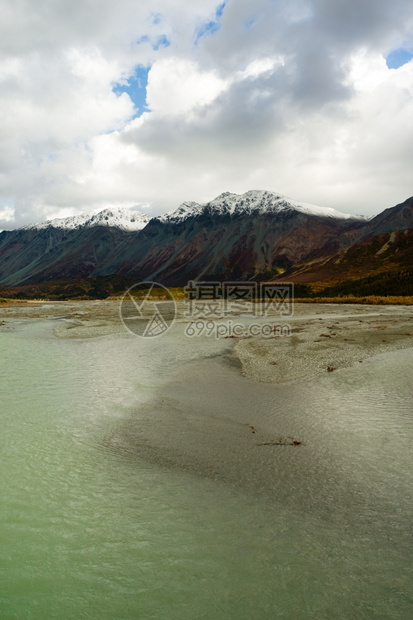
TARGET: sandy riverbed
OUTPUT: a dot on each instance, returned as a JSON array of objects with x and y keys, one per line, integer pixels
[
  {"x": 324, "y": 337},
  {"x": 231, "y": 408}
]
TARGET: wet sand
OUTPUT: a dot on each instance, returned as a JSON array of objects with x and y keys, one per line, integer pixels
[
  {"x": 237, "y": 409},
  {"x": 77, "y": 319},
  {"x": 324, "y": 337},
  {"x": 295, "y": 443}
]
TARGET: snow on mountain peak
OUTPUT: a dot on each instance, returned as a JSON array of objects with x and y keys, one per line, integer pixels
[
  {"x": 125, "y": 219},
  {"x": 253, "y": 201},
  {"x": 227, "y": 203},
  {"x": 260, "y": 201},
  {"x": 183, "y": 212}
]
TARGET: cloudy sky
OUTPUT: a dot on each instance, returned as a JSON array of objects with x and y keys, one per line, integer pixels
[{"x": 127, "y": 103}]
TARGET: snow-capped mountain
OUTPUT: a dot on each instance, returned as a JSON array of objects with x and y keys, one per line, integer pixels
[
  {"x": 182, "y": 213},
  {"x": 255, "y": 235},
  {"x": 125, "y": 219},
  {"x": 252, "y": 202}
]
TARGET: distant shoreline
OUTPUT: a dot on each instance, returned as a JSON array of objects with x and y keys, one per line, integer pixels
[{"x": 349, "y": 299}]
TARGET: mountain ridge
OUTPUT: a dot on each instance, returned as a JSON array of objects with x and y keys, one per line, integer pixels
[
  {"x": 253, "y": 201},
  {"x": 118, "y": 217},
  {"x": 226, "y": 203},
  {"x": 233, "y": 237}
]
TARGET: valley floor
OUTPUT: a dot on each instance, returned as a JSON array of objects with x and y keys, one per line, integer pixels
[{"x": 323, "y": 337}]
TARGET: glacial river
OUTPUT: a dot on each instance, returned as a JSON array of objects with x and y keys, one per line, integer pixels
[{"x": 91, "y": 531}]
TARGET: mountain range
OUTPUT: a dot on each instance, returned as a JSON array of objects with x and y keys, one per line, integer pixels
[{"x": 259, "y": 234}]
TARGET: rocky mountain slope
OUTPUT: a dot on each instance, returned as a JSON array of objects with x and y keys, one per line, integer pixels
[
  {"x": 380, "y": 253},
  {"x": 399, "y": 217},
  {"x": 380, "y": 263},
  {"x": 231, "y": 237},
  {"x": 255, "y": 235}
]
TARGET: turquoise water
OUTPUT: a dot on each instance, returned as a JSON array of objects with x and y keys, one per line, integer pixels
[{"x": 89, "y": 532}]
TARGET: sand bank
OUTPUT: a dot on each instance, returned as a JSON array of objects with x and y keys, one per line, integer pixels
[
  {"x": 230, "y": 409},
  {"x": 324, "y": 337}
]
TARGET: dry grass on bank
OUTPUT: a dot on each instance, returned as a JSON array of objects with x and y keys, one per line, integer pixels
[
  {"x": 179, "y": 295},
  {"x": 352, "y": 299}
]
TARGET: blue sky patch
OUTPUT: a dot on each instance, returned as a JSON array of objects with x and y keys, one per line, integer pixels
[
  {"x": 398, "y": 58},
  {"x": 142, "y": 39},
  {"x": 162, "y": 41},
  {"x": 135, "y": 87},
  {"x": 211, "y": 26},
  {"x": 250, "y": 23}
]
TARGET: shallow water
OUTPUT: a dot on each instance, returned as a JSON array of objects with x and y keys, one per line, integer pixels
[{"x": 91, "y": 527}]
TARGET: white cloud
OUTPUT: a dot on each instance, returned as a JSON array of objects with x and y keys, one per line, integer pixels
[
  {"x": 177, "y": 85},
  {"x": 367, "y": 70},
  {"x": 293, "y": 96},
  {"x": 6, "y": 214},
  {"x": 261, "y": 65}
]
